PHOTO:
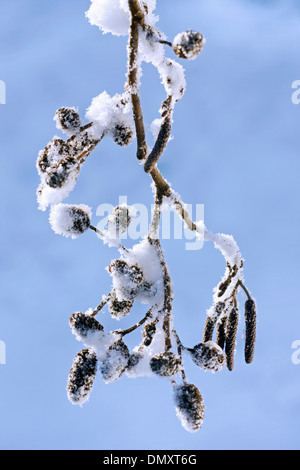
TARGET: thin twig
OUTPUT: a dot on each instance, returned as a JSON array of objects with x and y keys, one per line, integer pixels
[
  {"x": 134, "y": 327},
  {"x": 101, "y": 305},
  {"x": 116, "y": 242}
]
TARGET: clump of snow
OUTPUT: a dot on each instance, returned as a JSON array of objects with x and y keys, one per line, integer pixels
[
  {"x": 112, "y": 116},
  {"x": 47, "y": 196},
  {"x": 171, "y": 72},
  {"x": 138, "y": 275},
  {"x": 113, "y": 16},
  {"x": 70, "y": 220},
  {"x": 109, "y": 16}
]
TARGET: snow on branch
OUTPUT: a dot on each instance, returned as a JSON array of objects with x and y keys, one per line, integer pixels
[{"x": 140, "y": 275}]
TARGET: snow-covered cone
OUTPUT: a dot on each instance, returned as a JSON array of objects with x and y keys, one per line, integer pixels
[
  {"x": 114, "y": 361},
  {"x": 84, "y": 325},
  {"x": 165, "y": 364},
  {"x": 56, "y": 150},
  {"x": 127, "y": 278},
  {"x": 61, "y": 171},
  {"x": 112, "y": 116},
  {"x": 70, "y": 220},
  {"x": 122, "y": 134},
  {"x": 68, "y": 120},
  {"x": 148, "y": 333},
  {"x": 189, "y": 406},
  {"x": 134, "y": 360},
  {"x": 188, "y": 45},
  {"x": 82, "y": 376},
  {"x": 119, "y": 308},
  {"x": 208, "y": 356},
  {"x": 118, "y": 221}
]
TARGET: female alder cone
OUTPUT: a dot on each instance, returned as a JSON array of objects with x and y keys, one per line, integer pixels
[
  {"x": 114, "y": 361},
  {"x": 68, "y": 120},
  {"x": 188, "y": 45},
  {"x": 122, "y": 134},
  {"x": 83, "y": 325},
  {"x": 56, "y": 150},
  {"x": 189, "y": 406},
  {"x": 148, "y": 333},
  {"x": 165, "y": 364},
  {"x": 82, "y": 376},
  {"x": 61, "y": 171},
  {"x": 134, "y": 360},
  {"x": 119, "y": 308},
  {"x": 208, "y": 356},
  {"x": 127, "y": 279},
  {"x": 118, "y": 221},
  {"x": 70, "y": 220}
]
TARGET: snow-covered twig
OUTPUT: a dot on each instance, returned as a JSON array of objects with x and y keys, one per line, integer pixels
[{"x": 140, "y": 274}]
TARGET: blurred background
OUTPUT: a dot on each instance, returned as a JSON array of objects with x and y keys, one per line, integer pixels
[{"x": 235, "y": 150}]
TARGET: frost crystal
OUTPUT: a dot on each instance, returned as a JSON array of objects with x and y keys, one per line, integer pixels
[{"x": 70, "y": 220}]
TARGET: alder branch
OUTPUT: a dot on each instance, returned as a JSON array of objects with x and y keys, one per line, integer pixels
[{"x": 137, "y": 18}]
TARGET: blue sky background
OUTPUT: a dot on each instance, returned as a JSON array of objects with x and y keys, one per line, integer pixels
[{"x": 235, "y": 150}]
